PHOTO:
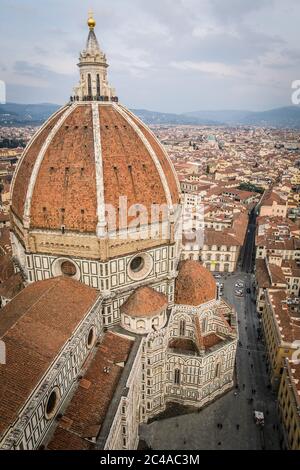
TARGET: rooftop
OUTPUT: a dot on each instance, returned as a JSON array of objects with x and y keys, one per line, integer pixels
[
  {"x": 83, "y": 419},
  {"x": 35, "y": 326}
]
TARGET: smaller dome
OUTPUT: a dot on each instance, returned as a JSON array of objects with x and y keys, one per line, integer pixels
[
  {"x": 195, "y": 285},
  {"x": 144, "y": 302}
]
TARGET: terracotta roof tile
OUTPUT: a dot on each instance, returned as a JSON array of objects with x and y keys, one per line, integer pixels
[
  {"x": 144, "y": 302},
  {"x": 34, "y": 326},
  {"x": 88, "y": 407},
  {"x": 195, "y": 285}
]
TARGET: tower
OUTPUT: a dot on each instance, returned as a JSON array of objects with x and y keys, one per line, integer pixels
[{"x": 93, "y": 71}]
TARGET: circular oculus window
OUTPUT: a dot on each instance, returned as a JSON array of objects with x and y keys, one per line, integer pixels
[
  {"x": 137, "y": 264},
  {"x": 91, "y": 338},
  {"x": 52, "y": 403},
  {"x": 140, "y": 266},
  {"x": 65, "y": 267},
  {"x": 68, "y": 268}
]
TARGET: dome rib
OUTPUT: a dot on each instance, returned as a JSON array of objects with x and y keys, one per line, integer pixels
[
  {"x": 165, "y": 153},
  {"x": 22, "y": 174},
  {"x": 86, "y": 157},
  {"x": 38, "y": 162},
  {"x": 151, "y": 153},
  {"x": 100, "y": 230}
]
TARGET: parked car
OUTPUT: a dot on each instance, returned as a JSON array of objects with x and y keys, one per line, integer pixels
[
  {"x": 259, "y": 418},
  {"x": 239, "y": 293}
]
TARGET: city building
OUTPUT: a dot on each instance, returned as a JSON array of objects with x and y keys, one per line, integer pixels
[
  {"x": 281, "y": 325},
  {"x": 272, "y": 205},
  {"x": 289, "y": 403},
  {"x": 274, "y": 273}
]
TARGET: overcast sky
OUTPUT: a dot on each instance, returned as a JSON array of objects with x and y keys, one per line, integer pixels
[{"x": 164, "y": 55}]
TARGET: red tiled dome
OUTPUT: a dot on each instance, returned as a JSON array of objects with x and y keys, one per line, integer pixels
[
  {"x": 144, "y": 302},
  {"x": 195, "y": 285},
  {"x": 85, "y": 155}
]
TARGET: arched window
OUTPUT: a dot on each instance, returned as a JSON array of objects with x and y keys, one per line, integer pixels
[
  {"x": 182, "y": 328},
  {"x": 203, "y": 325},
  {"x": 217, "y": 370},
  {"x": 177, "y": 377},
  {"x": 140, "y": 324},
  {"x": 98, "y": 85},
  {"x": 89, "y": 85}
]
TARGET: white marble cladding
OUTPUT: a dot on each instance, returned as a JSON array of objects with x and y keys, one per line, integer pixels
[
  {"x": 30, "y": 428},
  {"x": 201, "y": 377},
  {"x": 199, "y": 381},
  {"x": 112, "y": 304},
  {"x": 123, "y": 433},
  {"x": 142, "y": 325},
  {"x": 107, "y": 276}
]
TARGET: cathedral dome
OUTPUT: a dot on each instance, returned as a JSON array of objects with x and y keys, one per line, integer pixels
[
  {"x": 88, "y": 172},
  {"x": 86, "y": 156},
  {"x": 195, "y": 285},
  {"x": 95, "y": 196}
]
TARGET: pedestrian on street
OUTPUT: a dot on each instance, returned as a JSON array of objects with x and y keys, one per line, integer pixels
[{"x": 237, "y": 426}]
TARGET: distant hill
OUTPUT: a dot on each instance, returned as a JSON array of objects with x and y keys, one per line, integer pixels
[
  {"x": 22, "y": 114},
  {"x": 153, "y": 117},
  {"x": 289, "y": 116},
  {"x": 229, "y": 117}
]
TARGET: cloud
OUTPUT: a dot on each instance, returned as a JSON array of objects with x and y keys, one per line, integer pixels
[
  {"x": 235, "y": 10},
  {"x": 215, "y": 68},
  {"x": 156, "y": 49}
]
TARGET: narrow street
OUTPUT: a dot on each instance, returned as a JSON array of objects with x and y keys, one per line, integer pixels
[{"x": 235, "y": 409}]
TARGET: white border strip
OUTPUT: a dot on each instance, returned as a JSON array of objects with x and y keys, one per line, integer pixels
[
  {"x": 151, "y": 152},
  {"x": 31, "y": 141},
  {"x": 159, "y": 143},
  {"x": 38, "y": 163},
  {"x": 101, "y": 225}
]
